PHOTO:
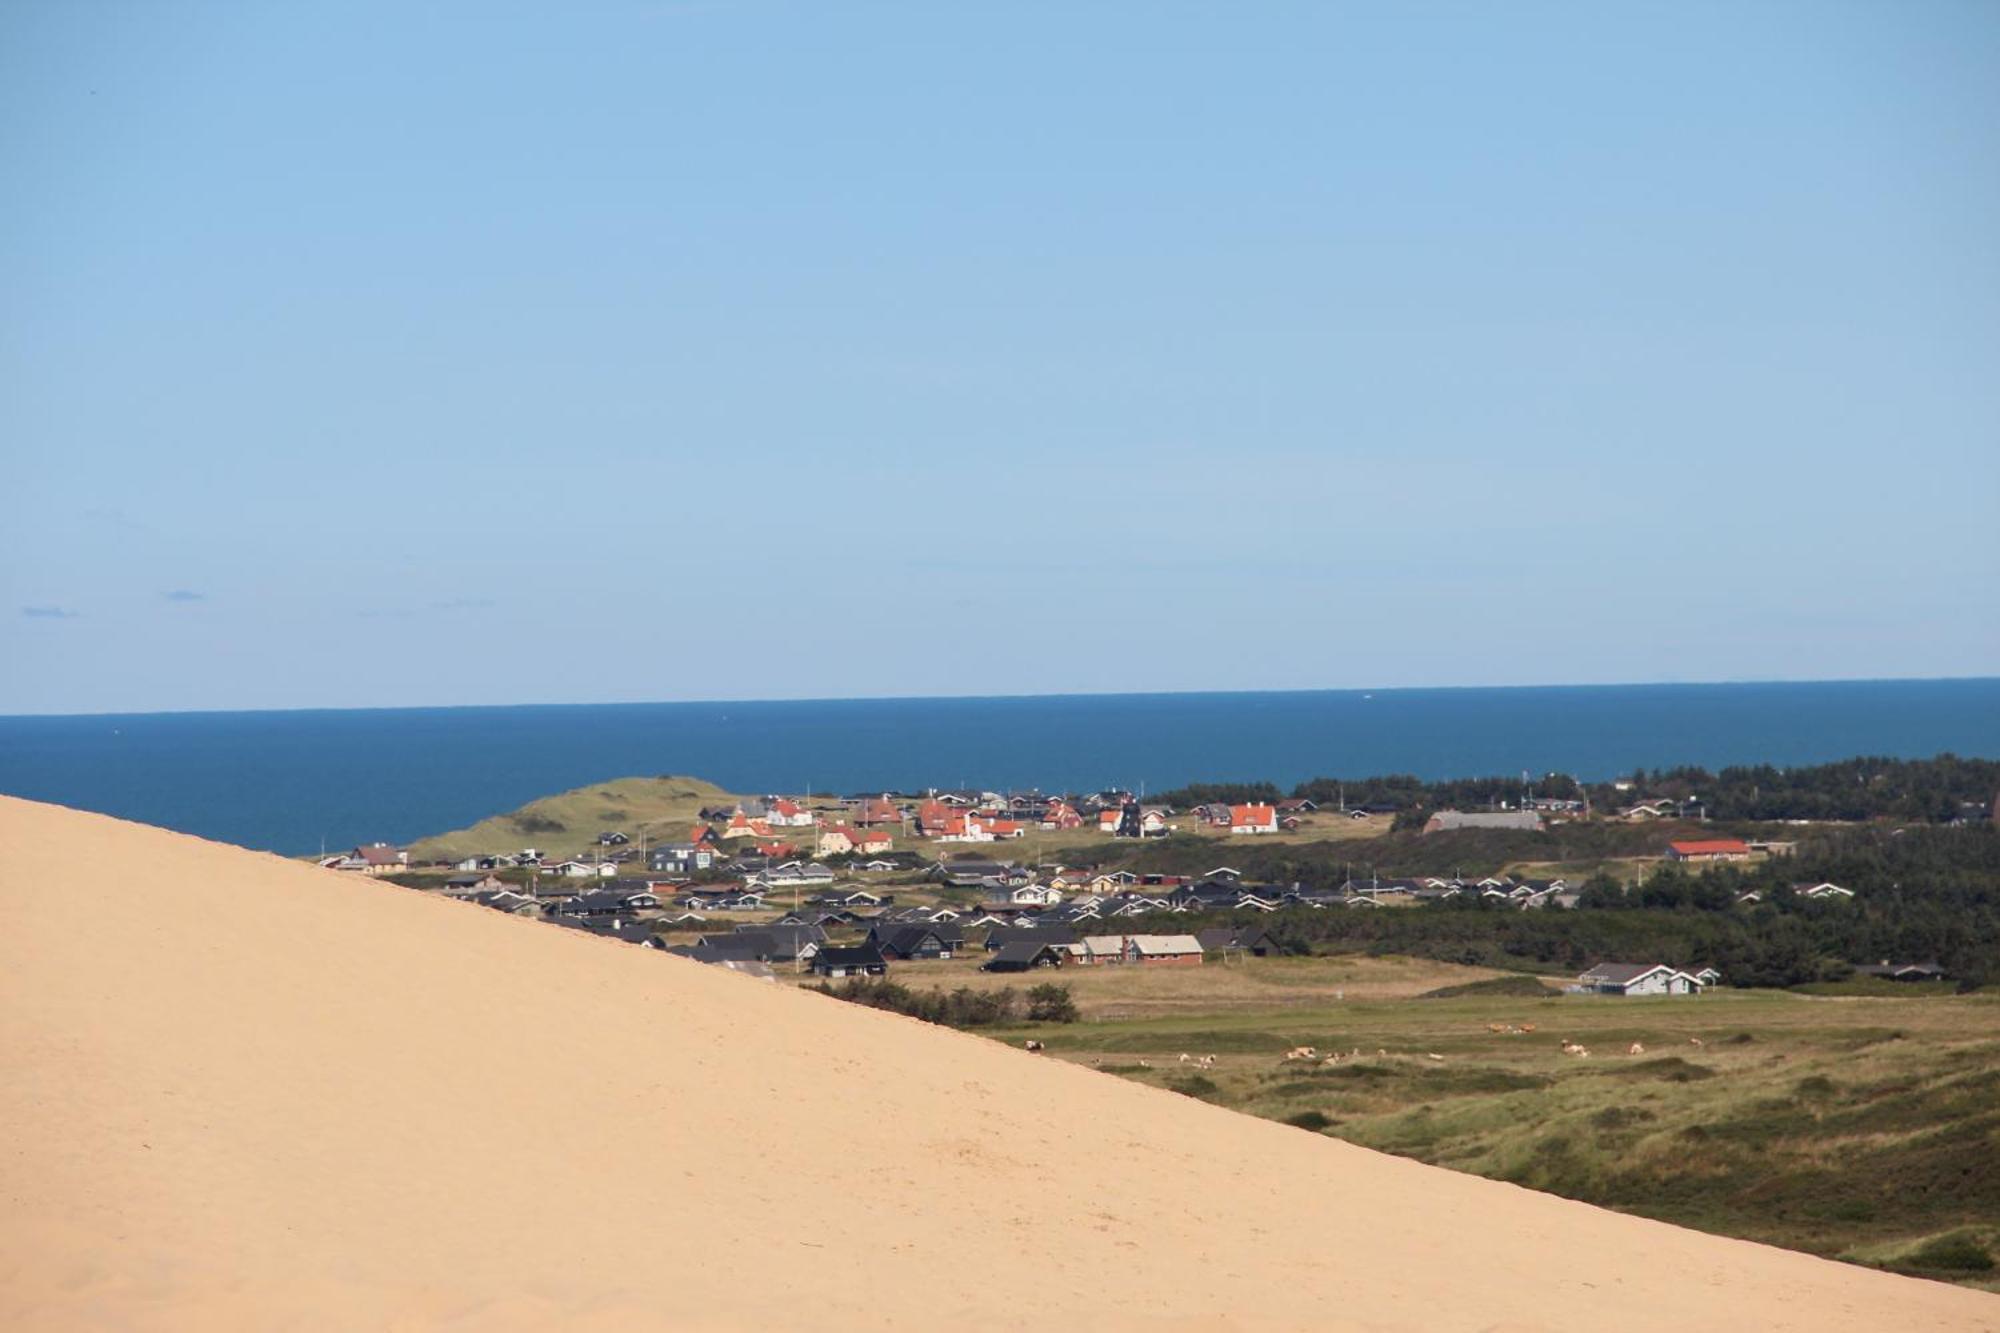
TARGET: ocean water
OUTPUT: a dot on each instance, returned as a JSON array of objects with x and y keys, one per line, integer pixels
[{"x": 294, "y": 781}]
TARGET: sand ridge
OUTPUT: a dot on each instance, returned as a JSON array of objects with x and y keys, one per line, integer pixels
[{"x": 248, "y": 1093}]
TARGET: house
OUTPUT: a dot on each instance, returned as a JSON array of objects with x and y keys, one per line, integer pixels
[
  {"x": 970, "y": 874},
  {"x": 629, "y": 930},
  {"x": 374, "y": 858},
  {"x": 1024, "y": 956},
  {"x": 999, "y": 937},
  {"x": 1297, "y": 806},
  {"x": 1253, "y": 819},
  {"x": 1034, "y": 895},
  {"x": 1708, "y": 976},
  {"x": 917, "y": 941},
  {"x": 1637, "y": 979},
  {"x": 508, "y": 901},
  {"x": 770, "y": 943},
  {"x": 1100, "y": 950},
  {"x": 480, "y": 862},
  {"x": 605, "y": 903},
  {"x": 1163, "y": 950},
  {"x": 783, "y": 812},
  {"x": 1238, "y": 939},
  {"x": 612, "y": 838},
  {"x": 680, "y": 858},
  {"x": 1444, "y": 821},
  {"x": 1709, "y": 849},
  {"x": 1822, "y": 891},
  {"x": 740, "y": 825},
  {"x": 875, "y": 810},
  {"x": 464, "y": 886},
  {"x": 1903, "y": 971},
  {"x": 861, "y": 960}
]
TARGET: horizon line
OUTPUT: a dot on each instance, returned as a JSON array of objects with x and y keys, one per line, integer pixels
[{"x": 1048, "y": 694}]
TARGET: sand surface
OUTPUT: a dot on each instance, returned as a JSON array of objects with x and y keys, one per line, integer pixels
[{"x": 245, "y": 1093}]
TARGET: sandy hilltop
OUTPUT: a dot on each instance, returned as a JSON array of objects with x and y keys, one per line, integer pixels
[{"x": 246, "y": 1093}]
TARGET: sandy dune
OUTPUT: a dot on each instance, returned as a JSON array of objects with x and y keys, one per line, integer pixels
[{"x": 243, "y": 1093}]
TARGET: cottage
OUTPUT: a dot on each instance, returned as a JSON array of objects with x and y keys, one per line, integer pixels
[
  {"x": 1024, "y": 956},
  {"x": 1903, "y": 971},
  {"x": 1101, "y": 950},
  {"x": 1253, "y": 940},
  {"x": 1253, "y": 819},
  {"x": 916, "y": 941},
  {"x": 1638, "y": 979},
  {"x": 1822, "y": 891},
  {"x": 859, "y": 961},
  {"x": 1444, "y": 821},
  {"x": 1709, "y": 849},
  {"x": 1163, "y": 950},
  {"x": 680, "y": 858},
  {"x": 783, "y": 812}
]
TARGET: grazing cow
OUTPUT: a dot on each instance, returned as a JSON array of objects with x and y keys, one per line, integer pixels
[
  {"x": 1206, "y": 1062},
  {"x": 1186, "y": 1058},
  {"x": 1497, "y": 1027},
  {"x": 1432, "y": 1055},
  {"x": 1032, "y": 1044},
  {"x": 1527, "y": 1027},
  {"x": 1301, "y": 1053},
  {"x": 1572, "y": 1048},
  {"x": 1694, "y": 1041},
  {"x": 1636, "y": 1048}
]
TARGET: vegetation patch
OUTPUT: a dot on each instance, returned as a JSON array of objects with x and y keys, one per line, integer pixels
[
  {"x": 1316, "y": 1121},
  {"x": 1958, "y": 1252},
  {"x": 1514, "y": 985}
]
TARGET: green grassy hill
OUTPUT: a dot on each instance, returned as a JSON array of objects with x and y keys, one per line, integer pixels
[{"x": 567, "y": 824}]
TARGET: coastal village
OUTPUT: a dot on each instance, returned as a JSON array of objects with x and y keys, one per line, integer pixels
[{"x": 834, "y": 888}]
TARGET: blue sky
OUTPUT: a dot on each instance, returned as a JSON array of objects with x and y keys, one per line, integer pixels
[{"x": 360, "y": 355}]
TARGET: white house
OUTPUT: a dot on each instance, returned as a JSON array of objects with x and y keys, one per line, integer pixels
[{"x": 1638, "y": 979}]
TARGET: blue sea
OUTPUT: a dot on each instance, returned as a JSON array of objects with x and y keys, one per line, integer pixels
[{"x": 294, "y": 781}]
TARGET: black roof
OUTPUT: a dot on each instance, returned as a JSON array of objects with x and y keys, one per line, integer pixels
[{"x": 860, "y": 955}]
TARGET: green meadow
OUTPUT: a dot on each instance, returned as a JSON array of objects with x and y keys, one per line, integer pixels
[{"x": 1859, "y": 1127}]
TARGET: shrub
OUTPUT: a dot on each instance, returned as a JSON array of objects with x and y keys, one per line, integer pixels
[
  {"x": 1316, "y": 1121},
  {"x": 1958, "y": 1253},
  {"x": 1051, "y": 1003}
]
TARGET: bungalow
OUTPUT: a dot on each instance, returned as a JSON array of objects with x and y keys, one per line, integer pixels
[
  {"x": 1297, "y": 806},
  {"x": 612, "y": 838},
  {"x": 374, "y": 858},
  {"x": 606, "y": 902},
  {"x": 1822, "y": 891},
  {"x": 1060, "y": 814},
  {"x": 1237, "y": 939},
  {"x": 1709, "y": 849},
  {"x": 1101, "y": 950},
  {"x": 1163, "y": 950},
  {"x": 1638, "y": 979},
  {"x": 464, "y": 886},
  {"x": 480, "y": 862},
  {"x": 679, "y": 858},
  {"x": 1034, "y": 895},
  {"x": 783, "y": 812},
  {"x": 583, "y": 869},
  {"x": 741, "y": 825},
  {"x": 1903, "y": 971},
  {"x": 1709, "y": 976},
  {"x": 876, "y": 810},
  {"x": 860, "y": 960},
  {"x": 1444, "y": 821},
  {"x": 508, "y": 901},
  {"x": 908, "y": 942},
  {"x": 999, "y": 937},
  {"x": 1024, "y": 956},
  {"x": 1253, "y": 819}
]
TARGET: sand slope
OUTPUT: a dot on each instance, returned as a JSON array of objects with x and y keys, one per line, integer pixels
[{"x": 246, "y": 1093}]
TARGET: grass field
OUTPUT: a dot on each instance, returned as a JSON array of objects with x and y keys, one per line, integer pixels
[
  {"x": 567, "y": 824},
  {"x": 1862, "y": 1127},
  {"x": 1253, "y": 985}
]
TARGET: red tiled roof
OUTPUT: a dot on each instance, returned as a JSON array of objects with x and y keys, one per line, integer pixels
[{"x": 1711, "y": 847}]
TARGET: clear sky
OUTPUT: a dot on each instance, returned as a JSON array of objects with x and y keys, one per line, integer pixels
[{"x": 487, "y": 353}]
